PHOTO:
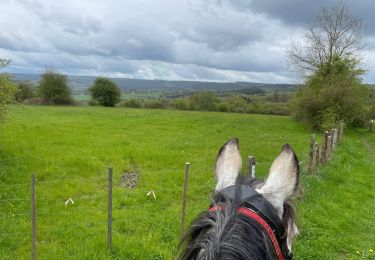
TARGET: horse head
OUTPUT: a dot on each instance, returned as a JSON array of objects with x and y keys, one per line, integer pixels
[{"x": 248, "y": 218}]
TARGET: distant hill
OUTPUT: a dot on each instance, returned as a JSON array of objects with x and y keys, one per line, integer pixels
[{"x": 80, "y": 84}]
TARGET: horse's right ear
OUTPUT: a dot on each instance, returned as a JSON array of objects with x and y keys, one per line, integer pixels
[
  {"x": 228, "y": 164},
  {"x": 282, "y": 181}
]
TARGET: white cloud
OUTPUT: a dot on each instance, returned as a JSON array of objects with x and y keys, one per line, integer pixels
[{"x": 196, "y": 39}]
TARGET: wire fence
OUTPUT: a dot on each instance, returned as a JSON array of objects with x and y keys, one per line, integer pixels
[
  {"x": 78, "y": 206},
  {"x": 107, "y": 202}
]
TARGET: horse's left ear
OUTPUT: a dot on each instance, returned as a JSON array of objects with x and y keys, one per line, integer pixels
[
  {"x": 228, "y": 164},
  {"x": 282, "y": 181}
]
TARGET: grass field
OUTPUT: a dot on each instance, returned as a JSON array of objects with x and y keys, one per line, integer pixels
[{"x": 70, "y": 149}]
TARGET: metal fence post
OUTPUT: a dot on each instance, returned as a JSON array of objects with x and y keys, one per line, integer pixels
[
  {"x": 33, "y": 217},
  {"x": 110, "y": 170},
  {"x": 184, "y": 197}
]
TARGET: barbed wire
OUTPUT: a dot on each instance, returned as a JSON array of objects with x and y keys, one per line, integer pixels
[
  {"x": 14, "y": 234},
  {"x": 15, "y": 184},
  {"x": 16, "y": 199},
  {"x": 15, "y": 214},
  {"x": 48, "y": 229},
  {"x": 93, "y": 181},
  {"x": 87, "y": 225}
]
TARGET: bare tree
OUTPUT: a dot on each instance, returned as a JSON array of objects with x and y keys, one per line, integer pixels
[{"x": 334, "y": 32}]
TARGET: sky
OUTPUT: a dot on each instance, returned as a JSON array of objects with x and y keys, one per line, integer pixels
[{"x": 209, "y": 40}]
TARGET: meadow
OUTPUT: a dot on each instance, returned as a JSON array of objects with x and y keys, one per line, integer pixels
[{"x": 70, "y": 149}]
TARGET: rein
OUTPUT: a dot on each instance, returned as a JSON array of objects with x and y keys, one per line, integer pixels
[
  {"x": 251, "y": 214},
  {"x": 261, "y": 211}
]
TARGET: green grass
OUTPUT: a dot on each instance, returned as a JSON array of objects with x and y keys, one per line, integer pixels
[{"x": 70, "y": 149}]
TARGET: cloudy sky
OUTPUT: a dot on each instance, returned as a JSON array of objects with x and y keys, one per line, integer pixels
[{"x": 213, "y": 40}]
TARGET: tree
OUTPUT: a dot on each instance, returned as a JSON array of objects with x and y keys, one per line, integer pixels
[
  {"x": 7, "y": 90},
  {"x": 24, "y": 91},
  {"x": 105, "y": 91},
  {"x": 334, "y": 32},
  {"x": 54, "y": 89},
  {"x": 204, "y": 100},
  {"x": 330, "y": 61},
  {"x": 332, "y": 94}
]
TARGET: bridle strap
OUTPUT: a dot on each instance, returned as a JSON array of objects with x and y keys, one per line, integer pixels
[{"x": 251, "y": 214}]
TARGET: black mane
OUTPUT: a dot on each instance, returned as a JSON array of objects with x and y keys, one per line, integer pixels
[{"x": 225, "y": 234}]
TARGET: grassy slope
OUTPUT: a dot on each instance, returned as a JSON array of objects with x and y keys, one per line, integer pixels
[
  {"x": 337, "y": 212},
  {"x": 73, "y": 146}
]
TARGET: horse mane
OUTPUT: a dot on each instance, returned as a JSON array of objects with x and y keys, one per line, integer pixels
[{"x": 227, "y": 235}]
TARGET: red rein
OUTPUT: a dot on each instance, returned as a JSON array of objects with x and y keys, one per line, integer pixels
[{"x": 251, "y": 214}]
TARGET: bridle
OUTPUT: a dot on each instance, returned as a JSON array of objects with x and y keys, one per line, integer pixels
[{"x": 257, "y": 208}]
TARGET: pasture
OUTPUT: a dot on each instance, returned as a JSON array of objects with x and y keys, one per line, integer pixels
[{"x": 70, "y": 149}]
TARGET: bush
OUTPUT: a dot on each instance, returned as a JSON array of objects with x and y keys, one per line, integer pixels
[
  {"x": 158, "y": 103},
  {"x": 223, "y": 107},
  {"x": 33, "y": 101},
  {"x": 334, "y": 92},
  {"x": 25, "y": 90},
  {"x": 105, "y": 92},
  {"x": 133, "y": 102},
  {"x": 7, "y": 92},
  {"x": 204, "y": 100},
  {"x": 236, "y": 104},
  {"x": 181, "y": 103},
  {"x": 53, "y": 88}
]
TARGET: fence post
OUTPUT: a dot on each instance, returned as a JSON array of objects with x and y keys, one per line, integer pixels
[
  {"x": 184, "y": 197},
  {"x": 109, "y": 235},
  {"x": 312, "y": 159},
  {"x": 371, "y": 125},
  {"x": 323, "y": 152},
  {"x": 334, "y": 138},
  {"x": 251, "y": 162},
  {"x": 341, "y": 130},
  {"x": 329, "y": 146},
  {"x": 33, "y": 217}
]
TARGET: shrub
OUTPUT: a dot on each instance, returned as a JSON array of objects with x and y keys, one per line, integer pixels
[
  {"x": 236, "y": 104},
  {"x": 133, "y": 102},
  {"x": 53, "y": 88},
  {"x": 105, "y": 91},
  {"x": 7, "y": 92},
  {"x": 335, "y": 91},
  {"x": 223, "y": 107},
  {"x": 204, "y": 100},
  {"x": 158, "y": 103},
  {"x": 181, "y": 103},
  {"x": 25, "y": 90}
]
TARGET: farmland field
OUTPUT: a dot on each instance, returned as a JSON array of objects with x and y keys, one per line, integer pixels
[{"x": 70, "y": 149}]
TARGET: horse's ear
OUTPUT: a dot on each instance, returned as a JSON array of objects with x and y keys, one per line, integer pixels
[
  {"x": 228, "y": 164},
  {"x": 282, "y": 181}
]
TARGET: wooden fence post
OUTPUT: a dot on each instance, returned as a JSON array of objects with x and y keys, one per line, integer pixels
[
  {"x": 313, "y": 155},
  {"x": 109, "y": 235},
  {"x": 33, "y": 217},
  {"x": 341, "y": 130},
  {"x": 371, "y": 125},
  {"x": 329, "y": 147},
  {"x": 323, "y": 152},
  {"x": 184, "y": 198},
  {"x": 251, "y": 162},
  {"x": 334, "y": 138}
]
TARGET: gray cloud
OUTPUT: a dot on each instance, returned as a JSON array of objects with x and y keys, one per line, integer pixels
[{"x": 192, "y": 39}]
